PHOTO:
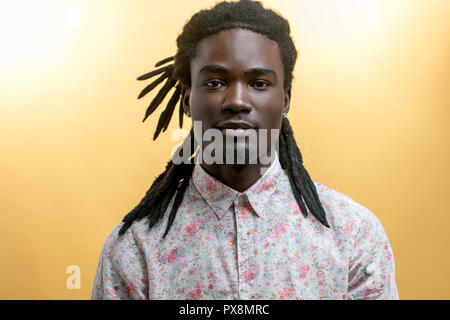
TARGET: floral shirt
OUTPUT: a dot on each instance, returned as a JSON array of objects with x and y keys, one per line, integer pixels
[{"x": 224, "y": 244}]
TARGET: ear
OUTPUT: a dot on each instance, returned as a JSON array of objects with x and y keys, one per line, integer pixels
[
  {"x": 287, "y": 100},
  {"x": 185, "y": 96}
]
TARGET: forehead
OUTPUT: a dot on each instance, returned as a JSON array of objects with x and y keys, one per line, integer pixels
[{"x": 238, "y": 48}]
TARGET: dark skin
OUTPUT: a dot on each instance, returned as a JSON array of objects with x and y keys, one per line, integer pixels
[{"x": 245, "y": 83}]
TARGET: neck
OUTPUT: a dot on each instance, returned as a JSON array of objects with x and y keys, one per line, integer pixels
[{"x": 239, "y": 177}]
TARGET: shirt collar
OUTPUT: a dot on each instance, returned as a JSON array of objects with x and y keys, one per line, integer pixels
[{"x": 220, "y": 197}]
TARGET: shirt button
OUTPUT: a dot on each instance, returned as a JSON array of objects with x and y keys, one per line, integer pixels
[{"x": 241, "y": 199}]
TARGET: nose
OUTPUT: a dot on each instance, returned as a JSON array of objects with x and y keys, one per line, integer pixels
[{"x": 237, "y": 98}]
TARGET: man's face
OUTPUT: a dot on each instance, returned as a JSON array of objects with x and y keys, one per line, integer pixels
[{"x": 237, "y": 80}]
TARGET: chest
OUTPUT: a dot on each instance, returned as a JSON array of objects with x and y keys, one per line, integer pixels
[{"x": 261, "y": 259}]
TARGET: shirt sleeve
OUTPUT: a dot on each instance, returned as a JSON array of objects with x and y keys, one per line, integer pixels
[
  {"x": 121, "y": 272},
  {"x": 372, "y": 267}
]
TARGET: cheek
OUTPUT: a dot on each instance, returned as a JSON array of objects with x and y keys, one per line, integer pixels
[
  {"x": 271, "y": 110},
  {"x": 202, "y": 106}
]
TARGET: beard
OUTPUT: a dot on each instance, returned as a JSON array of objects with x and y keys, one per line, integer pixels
[{"x": 238, "y": 150}]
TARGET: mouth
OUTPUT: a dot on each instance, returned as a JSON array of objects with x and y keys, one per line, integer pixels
[
  {"x": 235, "y": 125},
  {"x": 235, "y": 128},
  {"x": 236, "y": 132}
]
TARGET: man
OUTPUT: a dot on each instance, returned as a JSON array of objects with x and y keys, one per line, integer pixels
[{"x": 252, "y": 230}]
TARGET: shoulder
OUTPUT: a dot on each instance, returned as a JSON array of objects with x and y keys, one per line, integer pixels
[
  {"x": 121, "y": 270},
  {"x": 346, "y": 215},
  {"x": 371, "y": 260},
  {"x": 116, "y": 248}
]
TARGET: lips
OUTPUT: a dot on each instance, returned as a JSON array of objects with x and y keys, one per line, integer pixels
[
  {"x": 235, "y": 128},
  {"x": 235, "y": 125}
]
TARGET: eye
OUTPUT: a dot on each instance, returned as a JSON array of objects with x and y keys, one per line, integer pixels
[
  {"x": 213, "y": 84},
  {"x": 260, "y": 84}
]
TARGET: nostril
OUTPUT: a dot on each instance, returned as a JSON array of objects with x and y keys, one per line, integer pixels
[{"x": 237, "y": 98}]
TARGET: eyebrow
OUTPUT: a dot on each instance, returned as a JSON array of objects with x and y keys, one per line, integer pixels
[{"x": 220, "y": 69}]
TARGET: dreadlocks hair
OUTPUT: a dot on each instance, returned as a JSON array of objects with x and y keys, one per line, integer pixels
[{"x": 244, "y": 14}]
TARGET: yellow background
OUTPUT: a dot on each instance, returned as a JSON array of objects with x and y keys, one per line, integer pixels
[{"x": 370, "y": 112}]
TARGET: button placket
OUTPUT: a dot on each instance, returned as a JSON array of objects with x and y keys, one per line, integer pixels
[{"x": 243, "y": 219}]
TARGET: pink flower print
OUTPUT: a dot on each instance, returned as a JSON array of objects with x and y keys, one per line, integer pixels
[
  {"x": 305, "y": 270},
  {"x": 197, "y": 293},
  {"x": 180, "y": 291},
  {"x": 297, "y": 210},
  {"x": 191, "y": 229},
  {"x": 264, "y": 186},
  {"x": 213, "y": 280},
  {"x": 172, "y": 256},
  {"x": 211, "y": 187},
  {"x": 279, "y": 229},
  {"x": 285, "y": 294},
  {"x": 244, "y": 212},
  {"x": 211, "y": 276},
  {"x": 249, "y": 275}
]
